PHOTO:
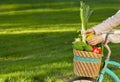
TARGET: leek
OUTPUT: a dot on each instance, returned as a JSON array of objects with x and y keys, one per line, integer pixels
[{"x": 85, "y": 12}]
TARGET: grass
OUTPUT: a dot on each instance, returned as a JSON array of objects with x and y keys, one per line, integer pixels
[{"x": 36, "y": 38}]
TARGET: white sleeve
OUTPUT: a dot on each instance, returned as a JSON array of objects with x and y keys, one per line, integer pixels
[
  {"x": 114, "y": 38},
  {"x": 108, "y": 24}
]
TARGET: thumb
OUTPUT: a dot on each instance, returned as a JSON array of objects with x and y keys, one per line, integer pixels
[{"x": 89, "y": 31}]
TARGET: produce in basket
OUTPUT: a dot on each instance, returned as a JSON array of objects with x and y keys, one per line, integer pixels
[
  {"x": 87, "y": 58},
  {"x": 88, "y": 48},
  {"x": 89, "y": 36},
  {"x": 97, "y": 50},
  {"x": 80, "y": 43}
]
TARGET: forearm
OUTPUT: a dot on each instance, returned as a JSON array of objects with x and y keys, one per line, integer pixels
[{"x": 108, "y": 24}]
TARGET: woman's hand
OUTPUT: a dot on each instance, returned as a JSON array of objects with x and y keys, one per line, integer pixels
[
  {"x": 95, "y": 40},
  {"x": 90, "y": 31}
]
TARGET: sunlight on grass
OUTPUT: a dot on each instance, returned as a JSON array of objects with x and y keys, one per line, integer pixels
[
  {"x": 16, "y": 6},
  {"x": 54, "y": 69},
  {"x": 57, "y": 65},
  {"x": 23, "y": 76},
  {"x": 13, "y": 6},
  {"x": 36, "y": 5},
  {"x": 34, "y": 8},
  {"x": 39, "y": 28},
  {"x": 41, "y": 25},
  {"x": 15, "y": 58},
  {"x": 36, "y": 31},
  {"x": 37, "y": 10}
]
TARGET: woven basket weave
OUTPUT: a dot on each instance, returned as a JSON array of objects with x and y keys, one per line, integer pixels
[{"x": 86, "y": 64}]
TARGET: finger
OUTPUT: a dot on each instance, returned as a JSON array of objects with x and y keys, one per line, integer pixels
[
  {"x": 92, "y": 41},
  {"x": 88, "y": 32}
]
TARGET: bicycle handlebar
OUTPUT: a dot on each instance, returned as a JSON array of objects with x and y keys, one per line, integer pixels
[{"x": 106, "y": 45}]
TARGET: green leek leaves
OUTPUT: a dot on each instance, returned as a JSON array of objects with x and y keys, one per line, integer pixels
[{"x": 85, "y": 13}]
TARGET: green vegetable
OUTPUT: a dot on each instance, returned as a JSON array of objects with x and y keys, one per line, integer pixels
[
  {"x": 85, "y": 12},
  {"x": 79, "y": 45},
  {"x": 88, "y": 48}
]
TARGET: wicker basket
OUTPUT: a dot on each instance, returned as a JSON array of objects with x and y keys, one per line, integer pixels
[{"x": 86, "y": 64}]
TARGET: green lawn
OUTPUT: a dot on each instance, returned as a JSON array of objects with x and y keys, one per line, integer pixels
[{"x": 36, "y": 38}]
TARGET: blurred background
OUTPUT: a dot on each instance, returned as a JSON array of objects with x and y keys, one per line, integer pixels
[{"x": 36, "y": 37}]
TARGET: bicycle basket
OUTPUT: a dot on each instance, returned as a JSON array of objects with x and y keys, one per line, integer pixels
[{"x": 86, "y": 64}]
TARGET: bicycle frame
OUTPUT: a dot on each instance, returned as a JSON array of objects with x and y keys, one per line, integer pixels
[
  {"x": 107, "y": 61},
  {"x": 108, "y": 71}
]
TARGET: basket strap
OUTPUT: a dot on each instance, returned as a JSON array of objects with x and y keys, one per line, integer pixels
[{"x": 86, "y": 59}]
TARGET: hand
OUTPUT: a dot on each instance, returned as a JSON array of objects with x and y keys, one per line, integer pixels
[
  {"x": 95, "y": 40},
  {"x": 90, "y": 31}
]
